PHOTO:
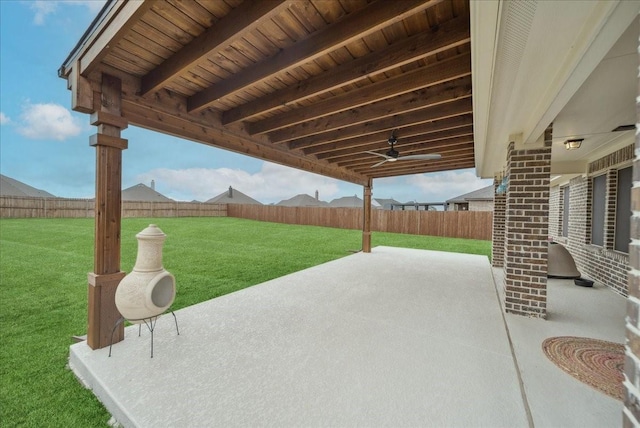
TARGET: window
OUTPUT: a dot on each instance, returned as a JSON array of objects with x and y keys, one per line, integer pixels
[
  {"x": 565, "y": 212},
  {"x": 623, "y": 210},
  {"x": 598, "y": 209}
]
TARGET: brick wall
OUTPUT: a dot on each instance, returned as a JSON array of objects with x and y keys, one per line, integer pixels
[
  {"x": 579, "y": 219},
  {"x": 555, "y": 212},
  {"x": 526, "y": 231},
  {"x": 602, "y": 264},
  {"x": 497, "y": 244},
  {"x": 631, "y": 413}
]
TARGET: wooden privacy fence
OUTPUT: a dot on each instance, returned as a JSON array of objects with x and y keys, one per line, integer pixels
[
  {"x": 25, "y": 207},
  {"x": 454, "y": 224}
]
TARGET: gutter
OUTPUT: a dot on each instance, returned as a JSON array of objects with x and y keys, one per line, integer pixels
[{"x": 63, "y": 71}]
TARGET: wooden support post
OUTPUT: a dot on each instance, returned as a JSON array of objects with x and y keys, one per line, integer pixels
[
  {"x": 366, "y": 223},
  {"x": 102, "y": 311}
]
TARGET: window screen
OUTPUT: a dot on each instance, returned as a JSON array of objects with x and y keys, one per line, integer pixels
[
  {"x": 597, "y": 209},
  {"x": 623, "y": 210}
]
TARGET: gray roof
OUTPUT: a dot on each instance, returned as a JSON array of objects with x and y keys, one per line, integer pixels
[
  {"x": 233, "y": 196},
  {"x": 142, "y": 192},
  {"x": 347, "y": 202},
  {"x": 302, "y": 200},
  {"x": 11, "y": 187},
  {"x": 387, "y": 202},
  {"x": 352, "y": 202},
  {"x": 484, "y": 194}
]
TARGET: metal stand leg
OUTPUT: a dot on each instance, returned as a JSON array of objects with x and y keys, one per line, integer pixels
[
  {"x": 120, "y": 321},
  {"x": 151, "y": 325},
  {"x": 176, "y": 320}
]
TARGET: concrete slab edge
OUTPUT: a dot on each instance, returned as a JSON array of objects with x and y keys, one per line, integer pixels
[
  {"x": 523, "y": 393},
  {"x": 84, "y": 376}
]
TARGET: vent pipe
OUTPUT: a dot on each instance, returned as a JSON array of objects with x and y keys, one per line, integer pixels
[{"x": 230, "y": 192}]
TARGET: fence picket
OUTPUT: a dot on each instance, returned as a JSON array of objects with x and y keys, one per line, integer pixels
[{"x": 455, "y": 224}]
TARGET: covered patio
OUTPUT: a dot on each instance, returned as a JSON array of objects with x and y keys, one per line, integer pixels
[
  {"x": 360, "y": 341},
  {"x": 361, "y": 90}
]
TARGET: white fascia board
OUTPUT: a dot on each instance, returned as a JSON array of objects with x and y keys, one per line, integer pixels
[{"x": 484, "y": 19}]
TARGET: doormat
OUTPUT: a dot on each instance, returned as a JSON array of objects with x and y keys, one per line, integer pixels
[{"x": 597, "y": 363}]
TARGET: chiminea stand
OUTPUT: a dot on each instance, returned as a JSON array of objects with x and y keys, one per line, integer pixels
[{"x": 150, "y": 322}]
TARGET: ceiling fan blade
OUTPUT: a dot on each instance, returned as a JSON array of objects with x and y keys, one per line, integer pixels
[
  {"x": 379, "y": 163},
  {"x": 420, "y": 157},
  {"x": 378, "y": 154}
]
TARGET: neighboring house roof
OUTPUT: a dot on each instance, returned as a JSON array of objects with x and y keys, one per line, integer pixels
[
  {"x": 11, "y": 187},
  {"x": 302, "y": 200},
  {"x": 387, "y": 203},
  {"x": 352, "y": 202},
  {"x": 484, "y": 194},
  {"x": 233, "y": 196},
  {"x": 142, "y": 192}
]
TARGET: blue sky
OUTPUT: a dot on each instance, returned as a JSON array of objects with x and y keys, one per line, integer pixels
[{"x": 46, "y": 145}]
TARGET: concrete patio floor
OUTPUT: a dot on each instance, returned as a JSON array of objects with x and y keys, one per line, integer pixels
[{"x": 397, "y": 337}]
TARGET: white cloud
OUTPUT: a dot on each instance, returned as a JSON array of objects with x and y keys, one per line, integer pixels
[
  {"x": 43, "y": 8},
  {"x": 48, "y": 121},
  {"x": 4, "y": 119},
  {"x": 448, "y": 184},
  {"x": 271, "y": 184}
]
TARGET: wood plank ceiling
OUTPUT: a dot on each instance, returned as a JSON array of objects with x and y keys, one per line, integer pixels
[{"x": 310, "y": 84}]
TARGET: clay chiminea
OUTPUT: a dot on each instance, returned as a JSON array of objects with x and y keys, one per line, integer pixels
[{"x": 149, "y": 289}]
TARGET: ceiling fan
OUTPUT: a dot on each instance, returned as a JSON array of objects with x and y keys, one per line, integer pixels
[{"x": 393, "y": 155}]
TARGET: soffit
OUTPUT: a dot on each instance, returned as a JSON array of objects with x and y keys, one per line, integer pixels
[{"x": 542, "y": 54}]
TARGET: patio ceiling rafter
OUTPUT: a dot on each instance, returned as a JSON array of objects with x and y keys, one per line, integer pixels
[
  {"x": 372, "y": 18},
  {"x": 300, "y": 83}
]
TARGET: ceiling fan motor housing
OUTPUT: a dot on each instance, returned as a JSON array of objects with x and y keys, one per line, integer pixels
[{"x": 393, "y": 153}]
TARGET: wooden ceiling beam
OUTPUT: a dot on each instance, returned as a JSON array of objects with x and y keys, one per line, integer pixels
[
  {"x": 424, "y": 77},
  {"x": 166, "y": 112},
  {"x": 451, "y": 34},
  {"x": 435, "y": 97},
  {"x": 150, "y": 118},
  {"x": 249, "y": 15},
  {"x": 350, "y": 150},
  {"x": 354, "y": 26},
  {"x": 433, "y": 113},
  {"x": 379, "y": 137}
]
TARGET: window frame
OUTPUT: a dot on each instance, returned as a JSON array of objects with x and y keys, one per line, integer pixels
[
  {"x": 598, "y": 217},
  {"x": 622, "y": 223}
]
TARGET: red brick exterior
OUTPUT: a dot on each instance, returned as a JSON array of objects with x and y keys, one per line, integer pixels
[
  {"x": 601, "y": 263},
  {"x": 631, "y": 413},
  {"x": 526, "y": 231}
]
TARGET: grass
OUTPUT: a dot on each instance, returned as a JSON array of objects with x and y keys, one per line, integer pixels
[{"x": 43, "y": 291}]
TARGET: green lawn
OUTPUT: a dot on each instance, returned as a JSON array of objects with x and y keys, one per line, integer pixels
[{"x": 43, "y": 291}]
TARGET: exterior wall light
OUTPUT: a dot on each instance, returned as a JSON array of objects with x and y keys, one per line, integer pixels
[{"x": 573, "y": 143}]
